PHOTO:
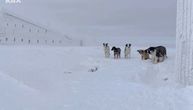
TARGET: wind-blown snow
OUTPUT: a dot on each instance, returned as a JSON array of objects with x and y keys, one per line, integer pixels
[{"x": 59, "y": 78}]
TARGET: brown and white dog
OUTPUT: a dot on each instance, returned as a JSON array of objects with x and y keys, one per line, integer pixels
[
  {"x": 106, "y": 50},
  {"x": 117, "y": 52},
  {"x": 127, "y": 51},
  {"x": 144, "y": 54}
]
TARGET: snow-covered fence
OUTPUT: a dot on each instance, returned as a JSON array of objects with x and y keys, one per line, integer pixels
[
  {"x": 184, "y": 42},
  {"x": 15, "y": 30}
]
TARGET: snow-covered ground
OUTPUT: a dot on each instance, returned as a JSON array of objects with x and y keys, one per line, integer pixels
[{"x": 59, "y": 78}]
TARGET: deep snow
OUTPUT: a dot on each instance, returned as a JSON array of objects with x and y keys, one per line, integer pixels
[{"x": 59, "y": 78}]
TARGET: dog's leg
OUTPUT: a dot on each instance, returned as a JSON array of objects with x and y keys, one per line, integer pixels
[
  {"x": 108, "y": 52},
  {"x": 105, "y": 52},
  {"x": 108, "y": 55},
  {"x": 125, "y": 53},
  {"x": 154, "y": 57},
  {"x": 155, "y": 60},
  {"x": 129, "y": 53},
  {"x": 161, "y": 59}
]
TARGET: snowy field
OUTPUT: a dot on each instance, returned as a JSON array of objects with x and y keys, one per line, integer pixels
[{"x": 59, "y": 78}]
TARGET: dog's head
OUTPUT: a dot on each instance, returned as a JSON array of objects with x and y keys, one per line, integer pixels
[
  {"x": 104, "y": 44},
  {"x": 113, "y": 48},
  {"x": 144, "y": 54},
  {"x": 140, "y": 51}
]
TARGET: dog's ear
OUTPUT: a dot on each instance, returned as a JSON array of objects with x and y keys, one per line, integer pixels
[
  {"x": 139, "y": 51},
  {"x": 103, "y": 44},
  {"x": 129, "y": 45},
  {"x": 107, "y": 44},
  {"x": 126, "y": 45},
  {"x": 112, "y": 48}
]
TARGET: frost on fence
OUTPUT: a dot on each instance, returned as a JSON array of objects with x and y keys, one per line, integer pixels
[
  {"x": 184, "y": 42},
  {"x": 18, "y": 30}
]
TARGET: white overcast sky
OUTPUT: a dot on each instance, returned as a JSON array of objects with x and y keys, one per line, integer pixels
[{"x": 101, "y": 18}]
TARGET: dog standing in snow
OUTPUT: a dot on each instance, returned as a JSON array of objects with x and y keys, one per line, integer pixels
[
  {"x": 106, "y": 50},
  {"x": 144, "y": 54},
  {"x": 127, "y": 51},
  {"x": 117, "y": 52},
  {"x": 158, "y": 54}
]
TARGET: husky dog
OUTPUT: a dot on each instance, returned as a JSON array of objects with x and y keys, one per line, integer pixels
[
  {"x": 144, "y": 54},
  {"x": 106, "y": 50},
  {"x": 158, "y": 53},
  {"x": 127, "y": 51},
  {"x": 117, "y": 52}
]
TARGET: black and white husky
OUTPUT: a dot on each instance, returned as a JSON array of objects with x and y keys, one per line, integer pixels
[
  {"x": 106, "y": 50},
  {"x": 158, "y": 54},
  {"x": 117, "y": 52},
  {"x": 127, "y": 51}
]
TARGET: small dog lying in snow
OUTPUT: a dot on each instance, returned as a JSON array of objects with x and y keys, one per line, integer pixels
[
  {"x": 106, "y": 50},
  {"x": 117, "y": 52},
  {"x": 144, "y": 54},
  {"x": 127, "y": 51},
  {"x": 158, "y": 54}
]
